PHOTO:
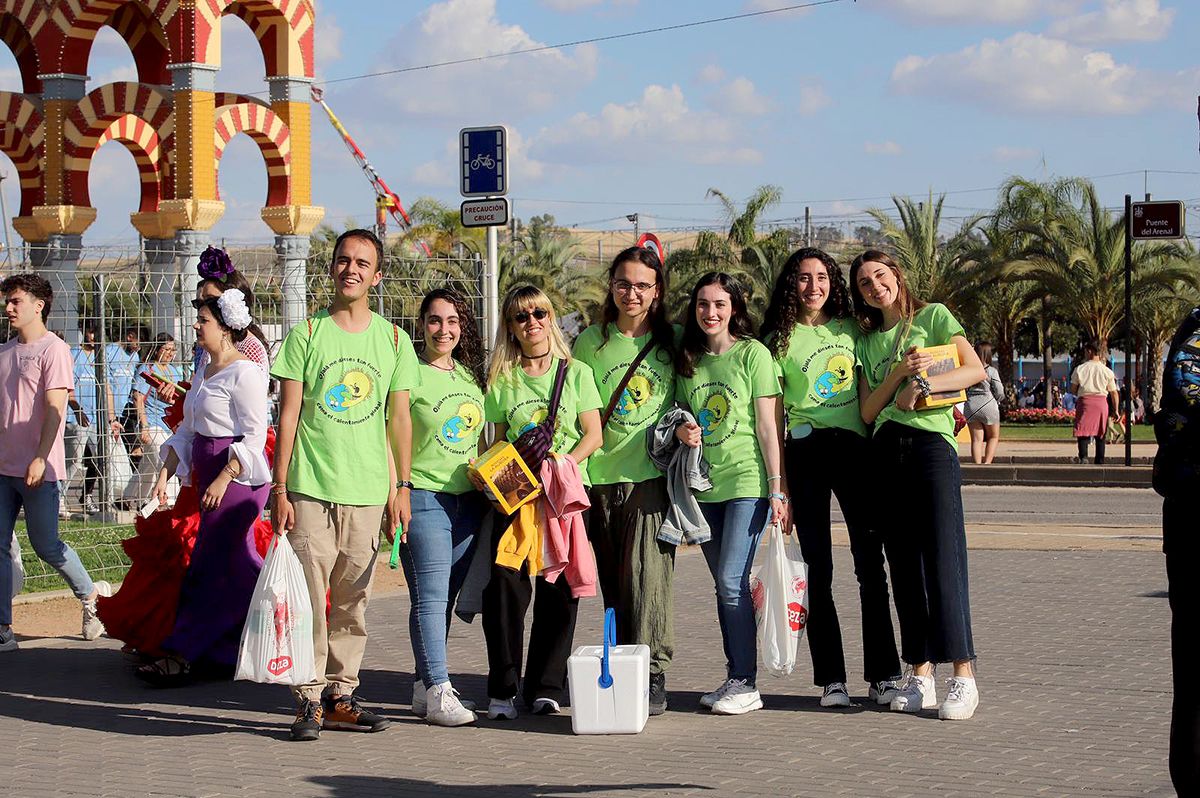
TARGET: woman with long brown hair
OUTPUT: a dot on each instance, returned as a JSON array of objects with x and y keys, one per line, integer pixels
[{"x": 916, "y": 479}]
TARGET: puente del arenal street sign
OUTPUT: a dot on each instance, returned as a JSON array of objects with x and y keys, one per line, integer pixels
[
  {"x": 1159, "y": 219},
  {"x": 484, "y": 161}
]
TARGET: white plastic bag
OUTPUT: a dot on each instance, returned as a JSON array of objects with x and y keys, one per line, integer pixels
[
  {"x": 277, "y": 643},
  {"x": 17, "y": 566},
  {"x": 779, "y": 589}
]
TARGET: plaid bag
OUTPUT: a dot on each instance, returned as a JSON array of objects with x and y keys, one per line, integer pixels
[{"x": 534, "y": 444}]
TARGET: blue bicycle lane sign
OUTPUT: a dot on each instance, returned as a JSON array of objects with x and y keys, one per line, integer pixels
[{"x": 484, "y": 161}]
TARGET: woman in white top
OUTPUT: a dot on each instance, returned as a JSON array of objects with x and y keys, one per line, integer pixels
[{"x": 220, "y": 446}]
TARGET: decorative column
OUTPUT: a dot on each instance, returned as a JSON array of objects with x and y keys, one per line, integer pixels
[
  {"x": 291, "y": 101},
  {"x": 194, "y": 85},
  {"x": 162, "y": 271},
  {"x": 55, "y": 244},
  {"x": 61, "y": 92},
  {"x": 293, "y": 224}
]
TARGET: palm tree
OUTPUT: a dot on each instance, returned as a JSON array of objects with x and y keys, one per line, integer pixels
[
  {"x": 549, "y": 260},
  {"x": 1155, "y": 318},
  {"x": 937, "y": 268},
  {"x": 442, "y": 230}
]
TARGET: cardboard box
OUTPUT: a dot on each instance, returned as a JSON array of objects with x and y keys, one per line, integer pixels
[{"x": 504, "y": 477}]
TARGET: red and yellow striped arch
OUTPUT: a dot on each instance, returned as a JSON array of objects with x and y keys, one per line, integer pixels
[
  {"x": 22, "y": 132},
  {"x": 273, "y": 139}
]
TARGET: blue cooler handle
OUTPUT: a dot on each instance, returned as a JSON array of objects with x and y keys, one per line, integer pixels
[{"x": 610, "y": 639}]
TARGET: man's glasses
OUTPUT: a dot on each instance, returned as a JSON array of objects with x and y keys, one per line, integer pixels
[
  {"x": 522, "y": 316},
  {"x": 624, "y": 287}
]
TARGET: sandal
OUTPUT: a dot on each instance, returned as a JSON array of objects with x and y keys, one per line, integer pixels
[{"x": 165, "y": 672}]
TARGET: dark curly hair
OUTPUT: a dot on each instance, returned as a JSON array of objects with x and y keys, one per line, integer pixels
[
  {"x": 661, "y": 331},
  {"x": 213, "y": 306},
  {"x": 784, "y": 310},
  {"x": 469, "y": 350},
  {"x": 235, "y": 279},
  {"x": 695, "y": 341}
]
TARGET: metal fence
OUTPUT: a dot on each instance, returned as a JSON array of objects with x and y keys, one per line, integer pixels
[{"x": 118, "y": 291}]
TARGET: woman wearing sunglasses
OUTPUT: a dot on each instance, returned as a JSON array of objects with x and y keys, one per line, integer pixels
[
  {"x": 727, "y": 380},
  {"x": 631, "y": 353},
  {"x": 525, "y": 361},
  {"x": 811, "y": 331}
]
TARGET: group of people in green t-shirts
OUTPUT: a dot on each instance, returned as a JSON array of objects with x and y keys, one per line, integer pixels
[{"x": 782, "y": 422}]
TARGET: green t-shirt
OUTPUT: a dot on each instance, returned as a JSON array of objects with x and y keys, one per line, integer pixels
[
  {"x": 447, "y": 414},
  {"x": 819, "y": 384},
  {"x": 650, "y": 392},
  {"x": 933, "y": 325},
  {"x": 521, "y": 401},
  {"x": 721, "y": 396},
  {"x": 340, "y": 454}
]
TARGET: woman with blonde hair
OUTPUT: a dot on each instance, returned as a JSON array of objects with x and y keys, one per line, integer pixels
[{"x": 531, "y": 363}]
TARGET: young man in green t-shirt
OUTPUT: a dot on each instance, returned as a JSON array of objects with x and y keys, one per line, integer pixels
[{"x": 344, "y": 380}]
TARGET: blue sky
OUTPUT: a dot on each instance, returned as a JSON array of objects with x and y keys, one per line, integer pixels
[{"x": 841, "y": 105}]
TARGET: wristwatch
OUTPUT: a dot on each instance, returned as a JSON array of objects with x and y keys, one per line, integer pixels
[{"x": 404, "y": 483}]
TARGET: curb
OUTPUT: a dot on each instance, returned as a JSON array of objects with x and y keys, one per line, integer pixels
[
  {"x": 1068, "y": 476},
  {"x": 1045, "y": 459}
]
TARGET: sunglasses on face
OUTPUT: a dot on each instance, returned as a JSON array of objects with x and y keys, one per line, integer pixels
[{"x": 522, "y": 316}]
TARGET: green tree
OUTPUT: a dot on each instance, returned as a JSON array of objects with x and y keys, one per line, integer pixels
[
  {"x": 440, "y": 227},
  {"x": 552, "y": 261},
  {"x": 1156, "y": 315}
]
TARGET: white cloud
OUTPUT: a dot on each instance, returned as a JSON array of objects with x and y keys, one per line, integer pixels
[
  {"x": 974, "y": 11},
  {"x": 711, "y": 74},
  {"x": 571, "y": 6},
  {"x": 1117, "y": 21},
  {"x": 328, "y": 39},
  {"x": 443, "y": 172},
  {"x": 1032, "y": 73},
  {"x": 456, "y": 29},
  {"x": 882, "y": 148},
  {"x": 657, "y": 125},
  {"x": 1007, "y": 153},
  {"x": 812, "y": 99},
  {"x": 741, "y": 98}
]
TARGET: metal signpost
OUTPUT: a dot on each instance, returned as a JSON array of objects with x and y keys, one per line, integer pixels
[
  {"x": 484, "y": 152},
  {"x": 1143, "y": 221}
]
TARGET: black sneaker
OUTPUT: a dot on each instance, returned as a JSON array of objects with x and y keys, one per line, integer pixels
[
  {"x": 344, "y": 712},
  {"x": 307, "y": 725},
  {"x": 658, "y": 693}
]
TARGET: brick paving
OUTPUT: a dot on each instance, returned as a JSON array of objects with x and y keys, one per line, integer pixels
[{"x": 1074, "y": 674}]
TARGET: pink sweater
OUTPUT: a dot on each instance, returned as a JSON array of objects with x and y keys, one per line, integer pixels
[{"x": 568, "y": 551}]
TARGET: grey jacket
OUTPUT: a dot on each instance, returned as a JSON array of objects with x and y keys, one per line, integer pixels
[{"x": 687, "y": 474}]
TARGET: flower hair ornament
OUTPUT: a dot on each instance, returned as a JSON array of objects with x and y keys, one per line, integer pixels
[
  {"x": 215, "y": 264},
  {"x": 233, "y": 309}
]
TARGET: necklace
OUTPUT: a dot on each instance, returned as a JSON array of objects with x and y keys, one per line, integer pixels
[
  {"x": 535, "y": 357},
  {"x": 453, "y": 365}
]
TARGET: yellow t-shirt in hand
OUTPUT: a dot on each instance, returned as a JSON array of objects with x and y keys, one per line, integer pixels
[{"x": 1093, "y": 378}]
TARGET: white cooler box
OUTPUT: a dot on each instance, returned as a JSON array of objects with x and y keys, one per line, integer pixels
[{"x": 621, "y": 708}]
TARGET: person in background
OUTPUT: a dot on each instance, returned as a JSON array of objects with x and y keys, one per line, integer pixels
[
  {"x": 152, "y": 428},
  {"x": 1095, "y": 386},
  {"x": 35, "y": 378},
  {"x": 82, "y": 448},
  {"x": 983, "y": 408},
  {"x": 121, "y": 363},
  {"x": 811, "y": 331},
  {"x": 629, "y": 493}
]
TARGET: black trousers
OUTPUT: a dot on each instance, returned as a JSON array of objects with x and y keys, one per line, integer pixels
[
  {"x": 505, "y": 602},
  {"x": 1182, "y": 546},
  {"x": 829, "y": 462},
  {"x": 919, "y": 513},
  {"x": 1083, "y": 448}
]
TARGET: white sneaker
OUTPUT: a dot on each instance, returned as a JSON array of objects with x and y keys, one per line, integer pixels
[
  {"x": 89, "y": 506},
  {"x": 914, "y": 694},
  {"x": 92, "y": 627},
  {"x": 418, "y": 699},
  {"x": 739, "y": 699},
  {"x": 8, "y": 641},
  {"x": 708, "y": 699},
  {"x": 502, "y": 709},
  {"x": 545, "y": 706},
  {"x": 835, "y": 695},
  {"x": 884, "y": 691},
  {"x": 962, "y": 698},
  {"x": 444, "y": 708}
]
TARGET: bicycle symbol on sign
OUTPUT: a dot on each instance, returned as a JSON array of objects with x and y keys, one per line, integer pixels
[{"x": 483, "y": 162}]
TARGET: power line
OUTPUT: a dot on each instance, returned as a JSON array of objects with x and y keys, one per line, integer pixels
[{"x": 578, "y": 42}]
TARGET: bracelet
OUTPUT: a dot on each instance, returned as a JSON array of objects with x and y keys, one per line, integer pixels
[
  {"x": 782, "y": 497},
  {"x": 772, "y": 479},
  {"x": 278, "y": 490},
  {"x": 923, "y": 386},
  {"x": 228, "y": 470},
  {"x": 404, "y": 483}
]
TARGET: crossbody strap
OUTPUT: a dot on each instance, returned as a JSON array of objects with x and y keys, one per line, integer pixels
[
  {"x": 624, "y": 383},
  {"x": 556, "y": 394}
]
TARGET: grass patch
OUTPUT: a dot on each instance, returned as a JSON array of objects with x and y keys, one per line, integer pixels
[
  {"x": 98, "y": 547},
  {"x": 1142, "y": 433}
]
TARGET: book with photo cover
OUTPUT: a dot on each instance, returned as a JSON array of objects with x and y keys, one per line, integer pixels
[
  {"x": 945, "y": 358},
  {"x": 504, "y": 478}
]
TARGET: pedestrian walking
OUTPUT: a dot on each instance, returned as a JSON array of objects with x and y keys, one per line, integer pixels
[
  {"x": 1095, "y": 387},
  {"x": 81, "y": 446},
  {"x": 439, "y": 541},
  {"x": 151, "y": 410},
  {"x": 982, "y": 408},
  {"x": 631, "y": 353},
  {"x": 336, "y": 476},
  {"x": 811, "y": 331},
  {"x": 727, "y": 380},
  {"x": 530, "y": 364},
  {"x": 35, "y": 378},
  {"x": 916, "y": 481}
]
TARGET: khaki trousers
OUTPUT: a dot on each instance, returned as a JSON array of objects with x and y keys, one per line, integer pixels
[{"x": 337, "y": 545}]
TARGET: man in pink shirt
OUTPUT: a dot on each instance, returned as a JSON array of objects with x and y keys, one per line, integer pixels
[{"x": 35, "y": 377}]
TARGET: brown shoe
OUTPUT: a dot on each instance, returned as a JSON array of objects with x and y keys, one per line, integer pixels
[
  {"x": 344, "y": 712},
  {"x": 307, "y": 725}
]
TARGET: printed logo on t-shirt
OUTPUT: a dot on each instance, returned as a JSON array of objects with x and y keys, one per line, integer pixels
[
  {"x": 458, "y": 432},
  {"x": 713, "y": 401},
  {"x": 355, "y": 388},
  {"x": 537, "y": 416},
  {"x": 643, "y": 387},
  {"x": 830, "y": 370}
]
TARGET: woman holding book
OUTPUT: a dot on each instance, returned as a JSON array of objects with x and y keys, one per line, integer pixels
[
  {"x": 153, "y": 431},
  {"x": 447, "y": 418},
  {"x": 917, "y": 485},
  {"x": 811, "y": 331},
  {"x": 728, "y": 382},
  {"x": 631, "y": 353},
  {"x": 528, "y": 359}
]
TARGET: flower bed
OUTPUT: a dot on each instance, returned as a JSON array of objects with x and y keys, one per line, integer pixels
[{"x": 1038, "y": 415}]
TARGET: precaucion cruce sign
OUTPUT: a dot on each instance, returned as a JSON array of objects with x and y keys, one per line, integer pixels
[{"x": 485, "y": 213}]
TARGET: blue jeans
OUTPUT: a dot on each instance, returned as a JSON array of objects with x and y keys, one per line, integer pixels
[
  {"x": 737, "y": 527},
  {"x": 436, "y": 557},
  {"x": 41, "y": 524}
]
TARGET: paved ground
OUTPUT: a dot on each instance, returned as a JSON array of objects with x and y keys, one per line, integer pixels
[{"x": 1073, "y": 670}]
